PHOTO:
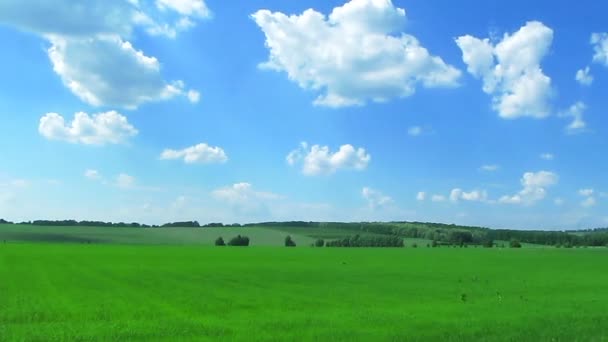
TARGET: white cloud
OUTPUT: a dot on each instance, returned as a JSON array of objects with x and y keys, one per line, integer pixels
[
  {"x": 558, "y": 201},
  {"x": 245, "y": 200},
  {"x": 124, "y": 181},
  {"x": 421, "y": 196},
  {"x": 510, "y": 70},
  {"x": 90, "y": 48},
  {"x": 188, "y": 8},
  {"x": 588, "y": 202},
  {"x": 201, "y": 153},
  {"x": 356, "y": 54},
  {"x": 438, "y": 198},
  {"x": 584, "y": 77},
  {"x": 586, "y": 192},
  {"x": 375, "y": 198},
  {"x": 534, "y": 188},
  {"x": 474, "y": 195},
  {"x": 320, "y": 160},
  {"x": 99, "y": 129},
  {"x": 194, "y": 96},
  {"x": 547, "y": 156},
  {"x": 600, "y": 47},
  {"x": 490, "y": 167},
  {"x": 414, "y": 131},
  {"x": 92, "y": 174},
  {"x": 576, "y": 112},
  {"x": 109, "y": 71}
]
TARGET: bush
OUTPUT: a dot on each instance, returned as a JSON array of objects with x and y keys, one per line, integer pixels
[
  {"x": 434, "y": 243},
  {"x": 367, "y": 241},
  {"x": 514, "y": 244},
  {"x": 239, "y": 241},
  {"x": 220, "y": 242},
  {"x": 414, "y": 245},
  {"x": 289, "y": 242},
  {"x": 319, "y": 243},
  {"x": 488, "y": 243}
]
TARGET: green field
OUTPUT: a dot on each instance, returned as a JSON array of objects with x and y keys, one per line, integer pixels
[
  {"x": 103, "y": 292},
  {"x": 143, "y": 236}
]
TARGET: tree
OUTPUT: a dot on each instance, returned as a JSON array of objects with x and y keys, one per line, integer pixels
[
  {"x": 239, "y": 241},
  {"x": 319, "y": 243},
  {"x": 488, "y": 243},
  {"x": 220, "y": 242},
  {"x": 514, "y": 244},
  {"x": 289, "y": 242}
]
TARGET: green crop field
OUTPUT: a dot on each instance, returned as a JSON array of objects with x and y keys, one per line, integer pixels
[{"x": 105, "y": 292}]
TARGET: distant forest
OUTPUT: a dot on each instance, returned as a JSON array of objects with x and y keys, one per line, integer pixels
[{"x": 439, "y": 233}]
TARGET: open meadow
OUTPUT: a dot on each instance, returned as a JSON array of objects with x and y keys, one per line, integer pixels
[{"x": 109, "y": 292}]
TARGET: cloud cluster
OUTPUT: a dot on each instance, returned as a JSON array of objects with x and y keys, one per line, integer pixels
[
  {"x": 600, "y": 47},
  {"x": 576, "y": 112},
  {"x": 511, "y": 71},
  {"x": 356, "y": 54},
  {"x": 200, "y": 153},
  {"x": 534, "y": 188},
  {"x": 99, "y": 129},
  {"x": 375, "y": 199},
  {"x": 319, "y": 160},
  {"x": 458, "y": 194},
  {"x": 584, "y": 77},
  {"x": 589, "y": 198},
  {"x": 90, "y": 48}
]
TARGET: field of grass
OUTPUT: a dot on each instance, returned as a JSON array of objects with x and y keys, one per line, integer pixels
[
  {"x": 102, "y": 292},
  {"x": 143, "y": 236}
]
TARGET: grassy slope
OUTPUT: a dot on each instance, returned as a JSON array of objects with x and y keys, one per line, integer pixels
[
  {"x": 153, "y": 236},
  {"x": 104, "y": 292}
]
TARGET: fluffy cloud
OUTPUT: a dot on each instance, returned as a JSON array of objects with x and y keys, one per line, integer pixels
[
  {"x": 584, "y": 77},
  {"x": 510, "y": 70},
  {"x": 201, "y": 153},
  {"x": 589, "y": 200},
  {"x": 109, "y": 71},
  {"x": 576, "y": 112},
  {"x": 547, "y": 156},
  {"x": 92, "y": 174},
  {"x": 354, "y": 55},
  {"x": 490, "y": 167},
  {"x": 421, "y": 196},
  {"x": 474, "y": 196},
  {"x": 125, "y": 181},
  {"x": 438, "y": 198},
  {"x": 99, "y": 129},
  {"x": 534, "y": 188},
  {"x": 90, "y": 51},
  {"x": 600, "y": 47},
  {"x": 375, "y": 198},
  {"x": 320, "y": 160}
]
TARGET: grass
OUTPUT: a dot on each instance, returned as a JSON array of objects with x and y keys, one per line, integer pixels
[
  {"x": 145, "y": 236},
  {"x": 103, "y": 292}
]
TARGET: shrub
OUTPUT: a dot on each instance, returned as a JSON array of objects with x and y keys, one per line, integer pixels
[
  {"x": 220, "y": 241},
  {"x": 289, "y": 242},
  {"x": 514, "y": 244},
  {"x": 434, "y": 243},
  {"x": 239, "y": 241},
  {"x": 414, "y": 245},
  {"x": 488, "y": 243},
  {"x": 319, "y": 243}
]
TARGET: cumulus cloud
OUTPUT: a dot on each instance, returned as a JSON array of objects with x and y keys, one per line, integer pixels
[
  {"x": 589, "y": 200},
  {"x": 125, "y": 181},
  {"x": 511, "y": 71},
  {"x": 438, "y": 198},
  {"x": 109, "y": 71},
  {"x": 534, "y": 188},
  {"x": 473, "y": 196},
  {"x": 320, "y": 160},
  {"x": 90, "y": 48},
  {"x": 490, "y": 167},
  {"x": 421, "y": 196},
  {"x": 547, "y": 156},
  {"x": 201, "y": 153},
  {"x": 356, "y": 54},
  {"x": 600, "y": 47},
  {"x": 575, "y": 112},
  {"x": 375, "y": 198},
  {"x": 92, "y": 174},
  {"x": 584, "y": 77},
  {"x": 99, "y": 129}
]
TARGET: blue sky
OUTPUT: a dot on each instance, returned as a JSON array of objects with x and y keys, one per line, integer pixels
[{"x": 486, "y": 113}]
